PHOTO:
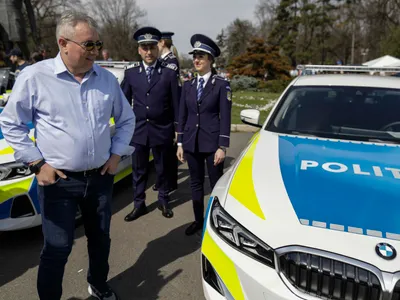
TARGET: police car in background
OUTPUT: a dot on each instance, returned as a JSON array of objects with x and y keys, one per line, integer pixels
[
  {"x": 19, "y": 205},
  {"x": 311, "y": 208}
]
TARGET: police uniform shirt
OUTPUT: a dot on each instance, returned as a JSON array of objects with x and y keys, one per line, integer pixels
[
  {"x": 147, "y": 66},
  {"x": 205, "y": 77}
]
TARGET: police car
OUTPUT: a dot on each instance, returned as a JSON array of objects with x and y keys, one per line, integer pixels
[
  {"x": 310, "y": 209},
  {"x": 19, "y": 205}
]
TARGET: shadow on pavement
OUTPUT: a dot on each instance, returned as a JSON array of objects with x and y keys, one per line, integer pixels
[
  {"x": 20, "y": 250},
  {"x": 145, "y": 279}
]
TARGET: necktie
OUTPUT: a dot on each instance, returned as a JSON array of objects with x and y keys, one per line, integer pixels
[
  {"x": 148, "y": 73},
  {"x": 200, "y": 89}
]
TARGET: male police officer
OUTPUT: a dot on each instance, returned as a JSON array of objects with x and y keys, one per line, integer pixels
[
  {"x": 153, "y": 88},
  {"x": 166, "y": 56}
]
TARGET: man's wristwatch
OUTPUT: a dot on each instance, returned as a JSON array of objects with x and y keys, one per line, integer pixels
[
  {"x": 222, "y": 148},
  {"x": 36, "y": 167}
]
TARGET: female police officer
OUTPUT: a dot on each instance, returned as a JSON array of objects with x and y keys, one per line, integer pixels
[{"x": 204, "y": 123}]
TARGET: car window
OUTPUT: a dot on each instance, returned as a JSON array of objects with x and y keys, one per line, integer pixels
[{"x": 361, "y": 113}]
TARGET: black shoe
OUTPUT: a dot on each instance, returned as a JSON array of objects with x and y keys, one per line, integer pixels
[
  {"x": 155, "y": 188},
  {"x": 108, "y": 294},
  {"x": 193, "y": 228},
  {"x": 166, "y": 211},
  {"x": 136, "y": 213}
]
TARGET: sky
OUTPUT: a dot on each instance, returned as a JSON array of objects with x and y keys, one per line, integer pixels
[{"x": 188, "y": 17}]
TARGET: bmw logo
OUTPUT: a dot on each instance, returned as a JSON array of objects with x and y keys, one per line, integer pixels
[{"x": 385, "y": 251}]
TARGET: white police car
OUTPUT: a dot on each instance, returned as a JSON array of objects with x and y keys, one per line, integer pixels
[
  {"x": 311, "y": 208},
  {"x": 19, "y": 205}
]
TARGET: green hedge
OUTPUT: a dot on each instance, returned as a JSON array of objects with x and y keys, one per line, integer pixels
[
  {"x": 247, "y": 83},
  {"x": 273, "y": 86},
  {"x": 243, "y": 83}
]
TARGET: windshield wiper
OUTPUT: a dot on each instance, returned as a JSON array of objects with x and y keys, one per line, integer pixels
[{"x": 367, "y": 134}]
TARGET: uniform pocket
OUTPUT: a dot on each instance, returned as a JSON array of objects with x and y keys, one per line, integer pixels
[{"x": 214, "y": 128}]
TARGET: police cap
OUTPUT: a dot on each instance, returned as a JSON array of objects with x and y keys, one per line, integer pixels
[
  {"x": 166, "y": 35},
  {"x": 203, "y": 43},
  {"x": 148, "y": 35}
]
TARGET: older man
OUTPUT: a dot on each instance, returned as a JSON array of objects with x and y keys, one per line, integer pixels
[{"x": 70, "y": 101}]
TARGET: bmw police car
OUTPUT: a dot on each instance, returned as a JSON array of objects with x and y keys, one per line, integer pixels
[
  {"x": 19, "y": 206},
  {"x": 311, "y": 208}
]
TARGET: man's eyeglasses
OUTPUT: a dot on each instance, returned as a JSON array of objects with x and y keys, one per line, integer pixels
[{"x": 88, "y": 45}]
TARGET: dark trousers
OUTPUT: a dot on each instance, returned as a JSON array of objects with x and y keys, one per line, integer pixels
[
  {"x": 197, "y": 172},
  {"x": 59, "y": 203},
  {"x": 172, "y": 169},
  {"x": 140, "y": 170}
]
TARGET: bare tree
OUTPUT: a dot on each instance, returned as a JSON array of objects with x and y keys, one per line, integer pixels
[
  {"x": 118, "y": 20},
  {"x": 46, "y": 14},
  {"x": 265, "y": 14}
]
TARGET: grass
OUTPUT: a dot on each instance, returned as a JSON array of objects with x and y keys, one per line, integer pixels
[{"x": 262, "y": 101}]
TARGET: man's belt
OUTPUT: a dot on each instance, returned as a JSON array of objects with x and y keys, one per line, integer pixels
[{"x": 87, "y": 173}]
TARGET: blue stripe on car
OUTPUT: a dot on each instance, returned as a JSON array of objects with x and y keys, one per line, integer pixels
[{"x": 354, "y": 185}]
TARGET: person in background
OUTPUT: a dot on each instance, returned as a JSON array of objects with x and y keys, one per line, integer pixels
[
  {"x": 204, "y": 124},
  {"x": 17, "y": 59},
  {"x": 166, "y": 56},
  {"x": 70, "y": 101},
  {"x": 153, "y": 88},
  {"x": 36, "y": 57},
  {"x": 44, "y": 51},
  {"x": 106, "y": 55}
]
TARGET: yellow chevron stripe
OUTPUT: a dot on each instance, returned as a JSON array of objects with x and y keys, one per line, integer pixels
[
  {"x": 10, "y": 190},
  {"x": 242, "y": 186},
  {"x": 223, "y": 265}
]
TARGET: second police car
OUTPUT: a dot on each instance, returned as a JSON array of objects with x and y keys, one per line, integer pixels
[
  {"x": 19, "y": 205},
  {"x": 310, "y": 209}
]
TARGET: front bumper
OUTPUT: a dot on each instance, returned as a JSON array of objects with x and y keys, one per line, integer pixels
[
  {"x": 239, "y": 277},
  {"x": 11, "y": 224},
  {"x": 19, "y": 206}
]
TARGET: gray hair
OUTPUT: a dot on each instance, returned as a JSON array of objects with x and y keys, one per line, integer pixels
[{"x": 69, "y": 19}]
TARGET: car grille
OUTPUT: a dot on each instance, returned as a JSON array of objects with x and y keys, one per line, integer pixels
[
  {"x": 396, "y": 292},
  {"x": 327, "y": 278}
]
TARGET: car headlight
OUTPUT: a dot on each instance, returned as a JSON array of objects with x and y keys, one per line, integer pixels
[
  {"x": 13, "y": 171},
  {"x": 239, "y": 237}
]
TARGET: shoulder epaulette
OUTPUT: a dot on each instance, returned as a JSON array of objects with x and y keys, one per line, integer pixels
[
  {"x": 133, "y": 65},
  {"x": 217, "y": 77},
  {"x": 169, "y": 66},
  {"x": 171, "y": 55}
]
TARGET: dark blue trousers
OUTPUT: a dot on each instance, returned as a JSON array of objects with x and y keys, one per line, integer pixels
[
  {"x": 140, "y": 170},
  {"x": 172, "y": 169},
  {"x": 197, "y": 172},
  {"x": 59, "y": 203}
]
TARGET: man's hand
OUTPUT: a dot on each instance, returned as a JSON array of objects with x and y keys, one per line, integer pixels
[
  {"x": 219, "y": 157},
  {"x": 179, "y": 154},
  {"x": 47, "y": 175},
  {"x": 111, "y": 165}
]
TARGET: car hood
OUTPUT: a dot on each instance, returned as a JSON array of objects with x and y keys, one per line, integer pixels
[{"x": 333, "y": 195}]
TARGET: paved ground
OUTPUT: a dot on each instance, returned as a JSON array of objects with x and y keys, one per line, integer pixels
[{"x": 151, "y": 258}]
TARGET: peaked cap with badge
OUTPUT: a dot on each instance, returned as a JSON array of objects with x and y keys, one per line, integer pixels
[
  {"x": 147, "y": 35},
  {"x": 203, "y": 43}
]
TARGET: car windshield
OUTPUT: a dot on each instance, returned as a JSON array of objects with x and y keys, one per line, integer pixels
[{"x": 342, "y": 112}]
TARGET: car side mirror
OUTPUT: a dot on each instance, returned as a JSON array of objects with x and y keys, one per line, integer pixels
[{"x": 251, "y": 117}]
